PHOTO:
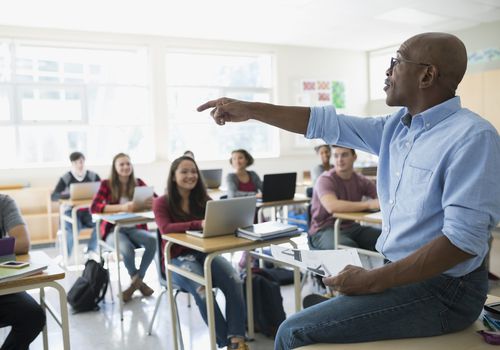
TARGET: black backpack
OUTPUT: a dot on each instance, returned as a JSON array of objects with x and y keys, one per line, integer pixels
[
  {"x": 268, "y": 309},
  {"x": 90, "y": 288}
]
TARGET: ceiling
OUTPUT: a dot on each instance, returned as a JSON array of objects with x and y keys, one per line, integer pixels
[{"x": 346, "y": 24}]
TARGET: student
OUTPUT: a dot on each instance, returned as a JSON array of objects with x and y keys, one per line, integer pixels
[
  {"x": 77, "y": 174},
  {"x": 19, "y": 310},
  {"x": 242, "y": 182},
  {"x": 189, "y": 153},
  {"x": 115, "y": 195},
  {"x": 340, "y": 190},
  {"x": 437, "y": 185},
  {"x": 181, "y": 209},
  {"x": 325, "y": 154}
]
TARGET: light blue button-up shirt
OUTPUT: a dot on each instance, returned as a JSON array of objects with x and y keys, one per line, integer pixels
[{"x": 438, "y": 173}]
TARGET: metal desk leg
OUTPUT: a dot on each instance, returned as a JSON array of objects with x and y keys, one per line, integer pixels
[
  {"x": 171, "y": 300},
  {"x": 62, "y": 227},
  {"x": 210, "y": 299},
  {"x": 45, "y": 336},
  {"x": 296, "y": 283},
  {"x": 64, "y": 313},
  {"x": 336, "y": 233},
  {"x": 74, "y": 222},
  {"x": 117, "y": 257},
  {"x": 250, "y": 321}
]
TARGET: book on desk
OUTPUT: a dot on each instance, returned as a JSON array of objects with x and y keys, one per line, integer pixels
[
  {"x": 8, "y": 274},
  {"x": 268, "y": 230}
]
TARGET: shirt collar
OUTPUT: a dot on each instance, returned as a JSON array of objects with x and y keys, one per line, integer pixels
[{"x": 434, "y": 115}]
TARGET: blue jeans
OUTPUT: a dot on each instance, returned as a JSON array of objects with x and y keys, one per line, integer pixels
[
  {"x": 84, "y": 220},
  {"x": 435, "y": 306},
  {"x": 356, "y": 235},
  {"x": 129, "y": 239},
  {"x": 227, "y": 280}
]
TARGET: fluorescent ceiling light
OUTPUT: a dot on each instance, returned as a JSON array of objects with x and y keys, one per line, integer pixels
[{"x": 411, "y": 16}]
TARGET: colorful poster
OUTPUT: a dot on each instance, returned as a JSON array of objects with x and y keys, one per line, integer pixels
[{"x": 322, "y": 93}]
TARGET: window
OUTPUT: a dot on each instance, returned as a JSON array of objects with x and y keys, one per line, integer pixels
[
  {"x": 56, "y": 99},
  {"x": 195, "y": 77}
]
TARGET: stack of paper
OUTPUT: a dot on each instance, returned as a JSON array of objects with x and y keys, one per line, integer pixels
[{"x": 268, "y": 230}]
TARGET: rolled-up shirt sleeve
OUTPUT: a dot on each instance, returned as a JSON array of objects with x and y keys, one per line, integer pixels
[
  {"x": 470, "y": 194},
  {"x": 343, "y": 130}
]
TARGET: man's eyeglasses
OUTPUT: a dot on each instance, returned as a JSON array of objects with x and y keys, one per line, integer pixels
[{"x": 396, "y": 61}]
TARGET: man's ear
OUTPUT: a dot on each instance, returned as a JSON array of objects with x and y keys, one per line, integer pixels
[{"x": 429, "y": 77}]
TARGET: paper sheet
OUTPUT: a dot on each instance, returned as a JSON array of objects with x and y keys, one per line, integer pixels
[{"x": 321, "y": 262}]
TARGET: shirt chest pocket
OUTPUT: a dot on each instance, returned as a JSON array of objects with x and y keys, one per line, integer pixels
[{"x": 414, "y": 189}]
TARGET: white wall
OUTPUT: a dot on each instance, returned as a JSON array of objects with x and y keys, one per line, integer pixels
[{"x": 292, "y": 65}]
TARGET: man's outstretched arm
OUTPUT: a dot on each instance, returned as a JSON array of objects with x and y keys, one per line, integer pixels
[{"x": 294, "y": 119}]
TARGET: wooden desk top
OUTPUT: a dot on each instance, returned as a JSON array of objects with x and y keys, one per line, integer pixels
[
  {"x": 357, "y": 216},
  {"x": 213, "y": 244},
  {"x": 52, "y": 273},
  {"x": 298, "y": 199}
]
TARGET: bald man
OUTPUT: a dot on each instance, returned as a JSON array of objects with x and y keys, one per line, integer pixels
[{"x": 439, "y": 196}]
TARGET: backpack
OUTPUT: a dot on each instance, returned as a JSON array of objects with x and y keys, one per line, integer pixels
[
  {"x": 90, "y": 288},
  {"x": 268, "y": 312}
]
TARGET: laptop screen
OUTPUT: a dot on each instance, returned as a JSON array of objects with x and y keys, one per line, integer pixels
[{"x": 279, "y": 187}]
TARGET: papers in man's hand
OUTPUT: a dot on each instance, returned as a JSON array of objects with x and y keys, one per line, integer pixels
[{"x": 321, "y": 262}]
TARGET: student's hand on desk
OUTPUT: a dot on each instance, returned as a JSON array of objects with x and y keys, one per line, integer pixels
[
  {"x": 373, "y": 204},
  {"x": 129, "y": 207},
  {"x": 258, "y": 195},
  {"x": 148, "y": 204},
  {"x": 226, "y": 110},
  {"x": 354, "y": 280}
]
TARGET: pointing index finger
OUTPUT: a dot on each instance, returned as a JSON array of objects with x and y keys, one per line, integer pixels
[{"x": 206, "y": 105}]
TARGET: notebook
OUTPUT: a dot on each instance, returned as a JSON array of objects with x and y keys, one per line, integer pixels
[
  {"x": 278, "y": 187},
  {"x": 83, "y": 190},
  {"x": 223, "y": 217},
  {"x": 7, "y": 249},
  {"x": 141, "y": 194},
  {"x": 8, "y": 274},
  {"x": 212, "y": 177}
]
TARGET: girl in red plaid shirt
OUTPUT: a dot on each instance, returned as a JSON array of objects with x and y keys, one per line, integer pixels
[{"x": 115, "y": 195}]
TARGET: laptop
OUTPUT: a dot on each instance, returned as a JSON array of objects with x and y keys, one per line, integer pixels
[
  {"x": 142, "y": 193},
  {"x": 212, "y": 177},
  {"x": 223, "y": 217},
  {"x": 7, "y": 249},
  {"x": 83, "y": 190},
  {"x": 278, "y": 187}
]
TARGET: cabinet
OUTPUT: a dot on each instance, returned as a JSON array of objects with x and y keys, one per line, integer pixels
[
  {"x": 480, "y": 92},
  {"x": 40, "y": 214}
]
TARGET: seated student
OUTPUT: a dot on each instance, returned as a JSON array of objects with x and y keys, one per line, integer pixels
[
  {"x": 181, "y": 209},
  {"x": 341, "y": 190},
  {"x": 325, "y": 154},
  {"x": 115, "y": 195},
  {"x": 18, "y": 310},
  {"x": 242, "y": 182},
  {"x": 189, "y": 153},
  {"x": 77, "y": 174}
]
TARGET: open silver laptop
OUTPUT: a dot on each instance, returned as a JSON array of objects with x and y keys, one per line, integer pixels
[
  {"x": 223, "y": 217},
  {"x": 84, "y": 190},
  {"x": 212, "y": 177}
]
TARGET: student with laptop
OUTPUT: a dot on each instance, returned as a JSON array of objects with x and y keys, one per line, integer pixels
[
  {"x": 19, "y": 310},
  {"x": 242, "y": 182},
  {"x": 182, "y": 208},
  {"x": 116, "y": 195},
  {"x": 77, "y": 175},
  {"x": 339, "y": 190}
]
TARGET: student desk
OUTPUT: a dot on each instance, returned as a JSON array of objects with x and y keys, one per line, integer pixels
[
  {"x": 145, "y": 218},
  {"x": 47, "y": 278},
  {"x": 75, "y": 205},
  {"x": 358, "y": 217},
  {"x": 213, "y": 247},
  {"x": 297, "y": 200},
  {"x": 467, "y": 339}
]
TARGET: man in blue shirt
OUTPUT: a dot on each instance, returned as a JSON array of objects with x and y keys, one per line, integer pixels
[{"x": 439, "y": 197}]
